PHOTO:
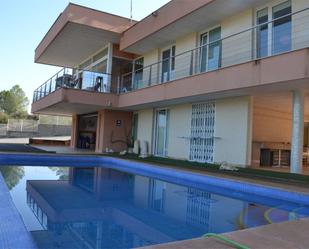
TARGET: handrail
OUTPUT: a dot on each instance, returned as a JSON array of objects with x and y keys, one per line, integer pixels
[
  {"x": 224, "y": 38},
  {"x": 227, "y": 240},
  {"x": 192, "y": 60}
]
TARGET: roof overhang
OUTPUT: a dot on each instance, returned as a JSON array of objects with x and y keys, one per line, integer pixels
[
  {"x": 78, "y": 33},
  {"x": 179, "y": 18}
]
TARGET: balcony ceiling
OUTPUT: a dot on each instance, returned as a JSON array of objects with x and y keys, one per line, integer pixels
[
  {"x": 78, "y": 33},
  {"x": 158, "y": 31},
  {"x": 74, "y": 44}
]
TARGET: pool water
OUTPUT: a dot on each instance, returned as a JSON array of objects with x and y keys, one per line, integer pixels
[{"x": 66, "y": 207}]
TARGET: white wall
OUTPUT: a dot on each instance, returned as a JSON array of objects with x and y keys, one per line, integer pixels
[
  {"x": 237, "y": 49},
  {"x": 300, "y": 37},
  {"x": 233, "y": 131},
  {"x": 179, "y": 126},
  {"x": 183, "y": 61},
  {"x": 149, "y": 59},
  {"x": 144, "y": 126}
]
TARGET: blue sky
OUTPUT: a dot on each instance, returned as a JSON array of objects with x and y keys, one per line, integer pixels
[{"x": 23, "y": 23}]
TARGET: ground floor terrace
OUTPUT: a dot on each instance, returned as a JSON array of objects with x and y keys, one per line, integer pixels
[{"x": 263, "y": 130}]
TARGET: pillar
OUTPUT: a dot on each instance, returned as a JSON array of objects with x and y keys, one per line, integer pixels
[
  {"x": 74, "y": 128},
  {"x": 297, "y": 132}
]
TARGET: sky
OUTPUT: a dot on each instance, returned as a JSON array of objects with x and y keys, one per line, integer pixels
[{"x": 23, "y": 24}]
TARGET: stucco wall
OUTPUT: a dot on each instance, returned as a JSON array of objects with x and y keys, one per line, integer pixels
[
  {"x": 300, "y": 37},
  {"x": 237, "y": 48},
  {"x": 144, "y": 127},
  {"x": 271, "y": 125},
  {"x": 179, "y": 126},
  {"x": 233, "y": 131},
  {"x": 110, "y": 134},
  {"x": 150, "y": 72},
  {"x": 183, "y": 61}
]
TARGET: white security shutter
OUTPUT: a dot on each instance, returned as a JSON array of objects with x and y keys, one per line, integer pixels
[{"x": 202, "y": 132}]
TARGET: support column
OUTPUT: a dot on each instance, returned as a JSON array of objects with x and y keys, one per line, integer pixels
[
  {"x": 74, "y": 128},
  {"x": 297, "y": 132}
]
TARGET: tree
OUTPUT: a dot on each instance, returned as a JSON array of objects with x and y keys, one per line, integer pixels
[
  {"x": 3, "y": 118},
  {"x": 12, "y": 175},
  {"x": 14, "y": 102}
]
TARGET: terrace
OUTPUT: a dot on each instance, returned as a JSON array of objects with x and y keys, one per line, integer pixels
[{"x": 243, "y": 51}]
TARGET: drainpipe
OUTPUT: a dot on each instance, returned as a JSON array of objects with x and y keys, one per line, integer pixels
[{"x": 297, "y": 132}]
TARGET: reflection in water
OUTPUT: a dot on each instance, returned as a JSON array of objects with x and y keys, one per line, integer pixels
[
  {"x": 12, "y": 175},
  {"x": 62, "y": 172},
  {"x": 104, "y": 208}
]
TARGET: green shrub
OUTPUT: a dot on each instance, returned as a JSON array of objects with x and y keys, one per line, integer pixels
[{"x": 3, "y": 118}]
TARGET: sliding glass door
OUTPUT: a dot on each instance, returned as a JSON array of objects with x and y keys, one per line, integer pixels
[
  {"x": 161, "y": 132},
  {"x": 210, "y": 53},
  {"x": 168, "y": 64}
]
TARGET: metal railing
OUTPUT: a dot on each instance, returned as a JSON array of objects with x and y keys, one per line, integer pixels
[
  {"x": 286, "y": 33},
  {"x": 280, "y": 35},
  {"x": 75, "y": 79}
]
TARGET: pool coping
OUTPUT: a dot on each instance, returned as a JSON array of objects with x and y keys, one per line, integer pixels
[
  {"x": 13, "y": 232},
  {"x": 172, "y": 175}
]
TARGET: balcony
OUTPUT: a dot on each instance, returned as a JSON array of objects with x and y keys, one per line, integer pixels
[
  {"x": 236, "y": 64},
  {"x": 284, "y": 34},
  {"x": 80, "y": 79},
  {"x": 74, "y": 91}
]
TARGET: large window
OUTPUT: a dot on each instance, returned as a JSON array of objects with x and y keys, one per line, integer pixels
[
  {"x": 161, "y": 132},
  {"x": 210, "y": 53},
  {"x": 274, "y": 37},
  {"x": 138, "y": 66},
  {"x": 168, "y": 64}
]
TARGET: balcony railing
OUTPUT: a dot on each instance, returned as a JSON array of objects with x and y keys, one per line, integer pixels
[
  {"x": 286, "y": 33},
  {"x": 75, "y": 79},
  {"x": 280, "y": 35}
]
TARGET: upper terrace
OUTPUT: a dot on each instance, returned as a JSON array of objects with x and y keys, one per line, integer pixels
[
  {"x": 77, "y": 33},
  {"x": 270, "y": 52}
]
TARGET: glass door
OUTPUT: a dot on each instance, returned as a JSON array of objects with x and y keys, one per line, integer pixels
[
  {"x": 138, "y": 67},
  {"x": 161, "y": 132},
  {"x": 168, "y": 64},
  {"x": 210, "y": 52},
  {"x": 274, "y": 37},
  {"x": 262, "y": 33},
  {"x": 282, "y": 28}
]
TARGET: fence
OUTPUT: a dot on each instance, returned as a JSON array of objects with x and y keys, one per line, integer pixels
[
  {"x": 31, "y": 128},
  {"x": 22, "y": 125},
  {"x": 3, "y": 129}
]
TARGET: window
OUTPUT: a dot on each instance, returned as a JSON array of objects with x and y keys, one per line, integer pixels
[
  {"x": 138, "y": 68},
  {"x": 274, "y": 37},
  {"x": 168, "y": 64},
  {"x": 282, "y": 28},
  {"x": 210, "y": 53},
  {"x": 161, "y": 132},
  {"x": 262, "y": 33}
]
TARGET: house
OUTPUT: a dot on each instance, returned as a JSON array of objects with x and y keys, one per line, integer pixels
[{"x": 204, "y": 80}]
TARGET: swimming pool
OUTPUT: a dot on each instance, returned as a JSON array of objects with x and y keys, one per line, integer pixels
[{"x": 103, "y": 207}]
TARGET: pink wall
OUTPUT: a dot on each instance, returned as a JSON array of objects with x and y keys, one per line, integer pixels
[
  {"x": 110, "y": 134},
  {"x": 74, "y": 131}
]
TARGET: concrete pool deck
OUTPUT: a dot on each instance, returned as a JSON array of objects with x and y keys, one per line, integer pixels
[
  {"x": 285, "y": 235},
  {"x": 13, "y": 233}
]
